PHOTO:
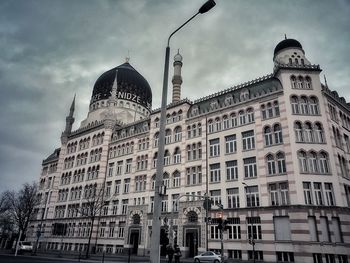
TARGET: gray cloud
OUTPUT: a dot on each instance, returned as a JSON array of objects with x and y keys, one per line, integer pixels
[{"x": 54, "y": 49}]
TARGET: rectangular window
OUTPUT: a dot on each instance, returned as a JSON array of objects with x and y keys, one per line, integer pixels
[
  {"x": 126, "y": 185},
  {"x": 330, "y": 201},
  {"x": 282, "y": 228},
  {"x": 128, "y": 166},
  {"x": 119, "y": 167},
  {"x": 279, "y": 194},
  {"x": 336, "y": 229},
  {"x": 230, "y": 144},
  {"x": 318, "y": 194},
  {"x": 233, "y": 197},
  {"x": 110, "y": 169},
  {"x": 250, "y": 169},
  {"x": 252, "y": 196},
  {"x": 324, "y": 230},
  {"x": 259, "y": 255},
  {"x": 231, "y": 170},
  {"x": 117, "y": 187},
  {"x": 125, "y": 203},
  {"x": 215, "y": 173},
  {"x": 214, "y": 232},
  {"x": 194, "y": 175},
  {"x": 216, "y": 196},
  {"x": 307, "y": 193},
  {"x": 214, "y": 147},
  {"x": 234, "y": 228},
  {"x": 285, "y": 256},
  {"x": 312, "y": 228},
  {"x": 248, "y": 140},
  {"x": 254, "y": 228}
]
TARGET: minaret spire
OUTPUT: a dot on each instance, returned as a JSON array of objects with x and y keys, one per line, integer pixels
[
  {"x": 177, "y": 79},
  {"x": 69, "y": 122},
  {"x": 325, "y": 80}
]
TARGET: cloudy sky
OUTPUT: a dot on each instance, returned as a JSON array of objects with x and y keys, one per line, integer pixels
[{"x": 50, "y": 50}]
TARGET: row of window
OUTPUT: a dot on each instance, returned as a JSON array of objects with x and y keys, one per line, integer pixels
[
  {"x": 309, "y": 132},
  {"x": 170, "y": 118},
  {"x": 95, "y": 156},
  {"x": 231, "y": 121},
  {"x": 97, "y": 139},
  {"x": 305, "y": 105},
  {"x": 300, "y": 82}
]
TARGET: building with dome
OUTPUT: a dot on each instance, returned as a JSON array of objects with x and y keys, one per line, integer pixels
[{"x": 272, "y": 153}]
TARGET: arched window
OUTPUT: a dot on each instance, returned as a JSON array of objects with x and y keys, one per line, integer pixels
[
  {"x": 166, "y": 157},
  {"x": 233, "y": 118},
  {"x": 242, "y": 119},
  {"x": 319, "y": 135},
  {"x": 281, "y": 163},
  {"x": 210, "y": 126},
  {"x": 156, "y": 122},
  {"x": 192, "y": 217},
  {"x": 304, "y": 105},
  {"x": 263, "y": 112},
  {"x": 250, "y": 115},
  {"x": 177, "y": 155},
  {"x": 302, "y": 162},
  {"x": 156, "y": 139},
  {"x": 167, "y": 136},
  {"x": 136, "y": 219},
  {"x": 313, "y": 166},
  {"x": 309, "y": 136},
  {"x": 189, "y": 153},
  {"x": 324, "y": 163},
  {"x": 217, "y": 124},
  {"x": 271, "y": 166},
  {"x": 300, "y": 82},
  {"x": 277, "y": 131},
  {"x": 177, "y": 134},
  {"x": 166, "y": 180},
  {"x": 176, "y": 179},
  {"x": 314, "y": 106},
  {"x": 298, "y": 132},
  {"x": 268, "y": 136},
  {"x": 155, "y": 157},
  {"x": 153, "y": 183},
  {"x": 226, "y": 122},
  {"x": 308, "y": 83},
  {"x": 293, "y": 80},
  {"x": 269, "y": 110},
  {"x": 295, "y": 104}
]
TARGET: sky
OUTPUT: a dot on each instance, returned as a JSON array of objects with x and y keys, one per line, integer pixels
[{"x": 53, "y": 49}]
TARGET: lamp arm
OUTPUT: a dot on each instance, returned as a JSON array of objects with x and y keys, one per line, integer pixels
[{"x": 181, "y": 27}]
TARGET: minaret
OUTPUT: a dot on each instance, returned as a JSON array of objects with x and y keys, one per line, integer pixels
[
  {"x": 177, "y": 79},
  {"x": 69, "y": 122},
  {"x": 110, "y": 115}
]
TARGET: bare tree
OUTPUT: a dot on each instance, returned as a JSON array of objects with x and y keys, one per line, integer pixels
[
  {"x": 22, "y": 205},
  {"x": 92, "y": 204},
  {"x": 6, "y": 220}
]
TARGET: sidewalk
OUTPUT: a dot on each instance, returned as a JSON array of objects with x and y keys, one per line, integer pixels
[{"x": 94, "y": 258}]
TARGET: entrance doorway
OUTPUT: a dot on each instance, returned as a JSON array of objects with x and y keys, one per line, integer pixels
[
  {"x": 134, "y": 241},
  {"x": 192, "y": 241}
]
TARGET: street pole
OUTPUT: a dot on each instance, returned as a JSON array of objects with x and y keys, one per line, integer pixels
[
  {"x": 38, "y": 234},
  {"x": 251, "y": 238},
  {"x": 155, "y": 238}
]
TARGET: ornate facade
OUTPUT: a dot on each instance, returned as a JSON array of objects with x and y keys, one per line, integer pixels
[{"x": 274, "y": 152}]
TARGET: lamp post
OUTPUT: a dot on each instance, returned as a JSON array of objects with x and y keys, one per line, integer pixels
[
  {"x": 38, "y": 233},
  {"x": 251, "y": 238},
  {"x": 160, "y": 160}
]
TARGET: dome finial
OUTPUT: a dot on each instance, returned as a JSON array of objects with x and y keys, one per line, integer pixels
[
  {"x": 285, "y": 36},
  {"x": 127, "y": 58}
]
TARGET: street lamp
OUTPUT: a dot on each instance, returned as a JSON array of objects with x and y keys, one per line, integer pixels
[
  {"x": 160, "y": 160},
  {"x": 251, "y": 238}
]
